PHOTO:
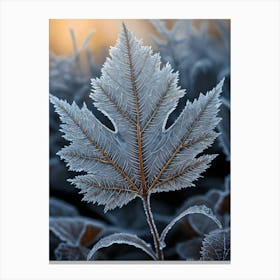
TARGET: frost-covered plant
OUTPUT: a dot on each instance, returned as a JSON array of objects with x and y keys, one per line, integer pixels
[
  {"x": 139, "y": 154},
  {"x": 209, "y": 244}
]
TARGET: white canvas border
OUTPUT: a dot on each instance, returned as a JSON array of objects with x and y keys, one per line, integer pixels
[{"x": 255, "y": 138}]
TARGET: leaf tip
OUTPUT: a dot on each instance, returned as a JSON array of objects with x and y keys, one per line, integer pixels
[
  {"x": 220, "y": 84},
  {"x": 53, "y": 98}
]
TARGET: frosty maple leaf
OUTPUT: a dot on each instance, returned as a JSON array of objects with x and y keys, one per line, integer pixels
[{"x": 140, "y": 156}]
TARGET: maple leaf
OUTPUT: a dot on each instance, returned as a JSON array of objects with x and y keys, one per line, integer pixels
[{"x": 140, "y": 156}]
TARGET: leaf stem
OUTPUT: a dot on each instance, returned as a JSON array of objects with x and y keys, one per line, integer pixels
[{"x": 152, "y": 225}]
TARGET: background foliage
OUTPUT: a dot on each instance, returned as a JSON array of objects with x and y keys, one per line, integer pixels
[{"x": 202, "y": 57}]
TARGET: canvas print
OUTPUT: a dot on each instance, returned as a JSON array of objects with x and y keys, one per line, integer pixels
[{"x": 139, "y": 140}]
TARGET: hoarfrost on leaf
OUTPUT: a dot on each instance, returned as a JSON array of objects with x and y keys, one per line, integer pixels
[
  {"x": 140, "y": 156},
  {"x": 76, "y": 230},
  {"x": 216, "y": 246},
  {"x": 67, "y": 252},
  {"x": 122, "y": 238},
  {"x": 197, "y": 209}
]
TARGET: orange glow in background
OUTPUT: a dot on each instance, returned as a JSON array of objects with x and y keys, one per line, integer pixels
[{"x": 105, "y": 33}]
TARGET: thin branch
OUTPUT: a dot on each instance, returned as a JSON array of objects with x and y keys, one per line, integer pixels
[{"x": 153, "y": 228}]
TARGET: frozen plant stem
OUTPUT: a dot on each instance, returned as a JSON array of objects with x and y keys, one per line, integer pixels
[
  {"x": 76, "y": 54},
  {"x": 153, "y": 228}
]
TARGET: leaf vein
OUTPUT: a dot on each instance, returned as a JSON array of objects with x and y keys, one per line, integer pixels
[
  {"x": 138, "y": 128},
  {"x": 91, "y": 184},
  {"x": 94, "y": 143},
  {"x": 189, "y": 168},
  {"x": 180, "y": 146},
  {"x": 73, "y": 154},
  {"x": 161, "y": 99},
  {"x": 119, "y": 109}
]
